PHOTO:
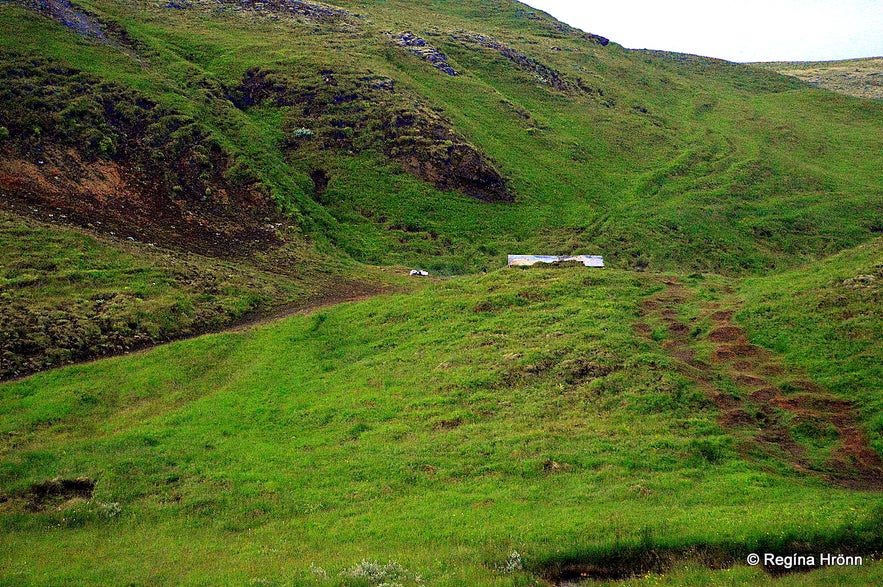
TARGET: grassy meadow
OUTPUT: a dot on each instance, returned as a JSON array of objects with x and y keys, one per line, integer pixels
[
  {"x": 714, "y": 392},
  {"x": 516, "y": 411}
]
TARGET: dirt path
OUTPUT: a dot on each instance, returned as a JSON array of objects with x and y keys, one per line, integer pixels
[
  {"x": 336, "y": 291},
  {"x": 759, "y": 397},
  {"x": 339, "y": 292}
]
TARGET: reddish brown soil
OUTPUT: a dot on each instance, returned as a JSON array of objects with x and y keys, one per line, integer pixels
[
  {"x": 725, "y": 401},
  {"x": 736, "y": 418},
  {"x": 678, "y": 328},
  {"x": 764, "y": 395},
  {"x": 722, "y": 316},
  {"x": 771, "y": 370},
  {"x": 113, "y": 199},
  {"x": 750, "y": 381},
  {"x": 853, "y": 462},
  {"x": 726, "y": 334},
  {"x": 686, "y": 355},
  {"x": 723, "y": 353},
  {"x": 642, "y": 328}
]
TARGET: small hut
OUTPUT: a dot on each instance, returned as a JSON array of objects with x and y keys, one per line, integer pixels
[{"x": 528, "y": 260}]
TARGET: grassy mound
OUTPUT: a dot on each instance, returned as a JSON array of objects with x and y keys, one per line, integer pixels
[{"x": 519, "y": 411}]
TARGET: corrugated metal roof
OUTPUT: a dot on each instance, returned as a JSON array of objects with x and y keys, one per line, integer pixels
[{"x": 526, "y": 260}]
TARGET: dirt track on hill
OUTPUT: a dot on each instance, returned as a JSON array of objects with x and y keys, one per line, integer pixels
[
  {"x": 337, "y": 291},
  {"x": 773, "y": 400},
  {"x": 341, "y": 292}
]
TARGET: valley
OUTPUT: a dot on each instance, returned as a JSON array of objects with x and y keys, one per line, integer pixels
[{"x": 217, "y": 370}]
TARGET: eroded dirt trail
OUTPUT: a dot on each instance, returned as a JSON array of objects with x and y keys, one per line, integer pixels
[
  {"x": 760, "y": 399},
  {"x": 339, "y": 291}
]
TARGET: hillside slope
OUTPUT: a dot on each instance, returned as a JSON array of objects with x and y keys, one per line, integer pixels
[
  {"x": 603, "y": 423},
  {"x": 434, "y": 133},
  {"x": 174, "y": 167},
  {"x": 298, "y": 137}
]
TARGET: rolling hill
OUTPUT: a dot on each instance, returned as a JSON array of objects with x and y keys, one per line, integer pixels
[
  {"x": 174, "y": 168},
  {"x": 862, "y": 78}
]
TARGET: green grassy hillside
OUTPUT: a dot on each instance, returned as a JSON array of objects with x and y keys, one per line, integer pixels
[
  {"x": 826, "y": 319},
  {"x": 303, "y": 136},
  {"x": 671, "y": 160},
  {"x": 178, "y": 167},
  {"x": 526, "y": 410}
]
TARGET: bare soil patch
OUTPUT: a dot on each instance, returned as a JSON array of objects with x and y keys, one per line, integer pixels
[
  {"x": 337, "y": 291},
  {"x": 722, "y": 316},
  {"x": 726, "y": 334},
  {"x": 736, "y": 418},
  {"x": 764, "y": 395},
  {"x": 47, "y": 494},
  {"x": 853, "y": 463}
]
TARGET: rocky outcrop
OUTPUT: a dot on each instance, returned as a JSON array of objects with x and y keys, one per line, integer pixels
[
  {"x": 70, "y": 15},
  {"x": 85, "y": 23},
  {"x": 293, "y": 9},
  {"x": 544, "y": 74},
  {"x": 348, "y": 112},
  {"x": 424, "y": 50}
]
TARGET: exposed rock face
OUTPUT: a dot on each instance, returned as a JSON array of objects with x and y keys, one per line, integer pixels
[
  {"x": 316, "y": 11},
  {"x": 70, "y": 15},
  {"x": 103, "y": 155},
  {"x": 544, "y": 73},
  {"x": 349, "y": 112},
  {"x": 460, "y": 168},
  {"x": 84, "y": 22},
  {"x": 423, "y": 49}
]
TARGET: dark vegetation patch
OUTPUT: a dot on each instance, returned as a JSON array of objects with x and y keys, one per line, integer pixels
[
  {"x": 578, "y": 370},
  {"x": 107, "y": 157},
  {"x": 320, "y": 181},
  {"x": 336, "y": 112},
  {"x": 627, "y": 562},
  {"x": 565, "y": 370},
  {"x": 42, "y": 496},
  {"x": 612, "y": 562},
  {"x": 67, "y": 297}
]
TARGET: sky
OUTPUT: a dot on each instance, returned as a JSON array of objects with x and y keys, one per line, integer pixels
[{"x": 744, "y": 30}]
